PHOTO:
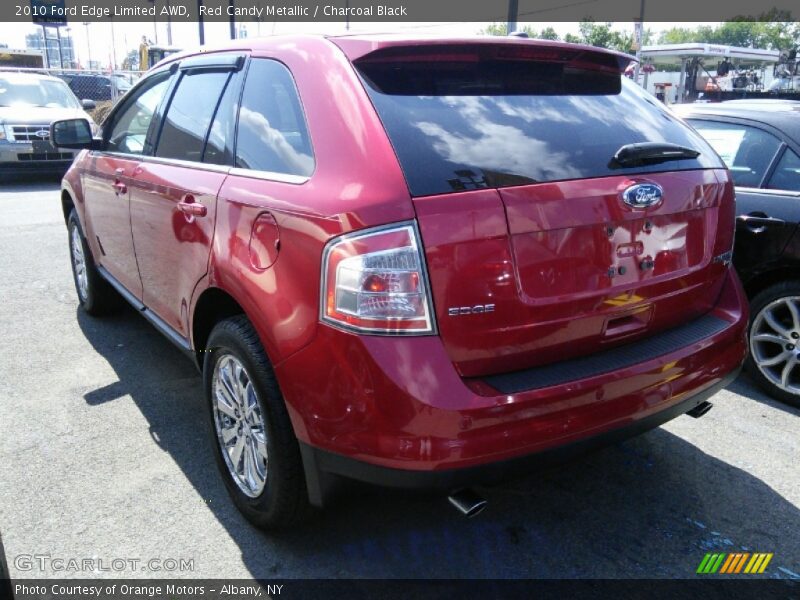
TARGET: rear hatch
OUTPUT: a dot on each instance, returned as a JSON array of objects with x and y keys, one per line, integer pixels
[{"x": 550, "y": 232}]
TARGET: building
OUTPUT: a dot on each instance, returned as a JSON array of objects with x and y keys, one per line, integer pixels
[{"x": 58, "y": 46}]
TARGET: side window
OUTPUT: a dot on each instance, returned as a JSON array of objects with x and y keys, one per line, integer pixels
[
  {"x": 787, "y": 173},
  {"x": 747, "y": 151},
  {"x": 219, "y": 146},
  {"x": 130, "y": 127},
  {"x": 272, "y": 134},
  {"x": 189, "y": 115}
]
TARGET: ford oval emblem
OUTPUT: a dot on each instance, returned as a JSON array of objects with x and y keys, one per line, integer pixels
[{"x": 642, "y": 195}]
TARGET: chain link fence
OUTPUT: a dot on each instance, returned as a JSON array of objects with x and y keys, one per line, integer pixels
[{"x": 104, "y": 88}]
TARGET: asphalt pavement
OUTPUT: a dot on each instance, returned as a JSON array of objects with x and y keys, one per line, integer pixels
[{"x": 105, "y": 455}]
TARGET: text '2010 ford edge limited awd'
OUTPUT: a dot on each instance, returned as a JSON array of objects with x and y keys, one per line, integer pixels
[{"x": 418, "y": 263}]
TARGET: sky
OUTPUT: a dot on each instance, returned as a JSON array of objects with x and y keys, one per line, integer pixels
[{"x": 97, "y": 39}]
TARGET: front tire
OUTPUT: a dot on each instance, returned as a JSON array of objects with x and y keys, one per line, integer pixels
[
  {"x": 95, "y": 295},
  {"x": 774, "y": 341},
  {"x": 255, "y": 447}
]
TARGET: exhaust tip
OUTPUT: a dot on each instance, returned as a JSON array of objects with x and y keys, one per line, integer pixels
[
  {"x": 699, "y": 410},
  {"x": 467, "y": 502}
]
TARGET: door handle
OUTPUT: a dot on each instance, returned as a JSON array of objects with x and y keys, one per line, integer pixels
[
  {"x": 759, "y": 222},
  {"x": 188, "y": 206}
]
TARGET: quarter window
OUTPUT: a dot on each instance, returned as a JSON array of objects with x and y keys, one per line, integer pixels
[
  {"x": 747, "y": 151},
  {"x": 129, "y": 132},
  {"x": 787, "y": 173},
  {"x": 272, "y": 134},
  {"x": 189, "y": 115}
]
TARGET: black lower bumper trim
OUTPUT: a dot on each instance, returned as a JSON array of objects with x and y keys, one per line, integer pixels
[
  {"x": 608, "y": 360},
  {"x": 322, "y": 467}
]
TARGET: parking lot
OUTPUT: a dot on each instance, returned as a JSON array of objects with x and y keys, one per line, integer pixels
[{"x": 104, "y": 454}]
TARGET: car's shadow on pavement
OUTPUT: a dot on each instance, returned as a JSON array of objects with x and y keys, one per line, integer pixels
[{"x": 649, "y": 507}]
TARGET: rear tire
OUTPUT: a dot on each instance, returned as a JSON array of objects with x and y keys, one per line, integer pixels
[
  {"x": 95, "y": 294},
  {"x": 255, "y": 447},
  {"x": 773, "y": 338}
]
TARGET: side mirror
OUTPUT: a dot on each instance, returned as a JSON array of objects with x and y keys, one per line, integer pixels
[
  {"x": 88, "y": 104},
  {"x": 71, "y": 133}
]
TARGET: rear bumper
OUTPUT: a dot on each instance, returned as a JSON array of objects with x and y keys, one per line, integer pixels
[
  {"x": 393, "y": 411},
  {"x": 328, "y": 463}
]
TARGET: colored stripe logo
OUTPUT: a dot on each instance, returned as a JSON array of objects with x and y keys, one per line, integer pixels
[{"x": 735, "y": 562}]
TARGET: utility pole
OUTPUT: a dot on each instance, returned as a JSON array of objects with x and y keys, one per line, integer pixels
[
  {"x": 155, "y": 21},
  {"x": 639, "y": 37},
  {"x": 88, "y": 45},
  {"x": 200, "y": 23},
  {"x": 169, "y": 24},
  {"x": 232, "y": 19},
  {"x": 513, "y": 12},
  {"x": 113, "y": 45}
]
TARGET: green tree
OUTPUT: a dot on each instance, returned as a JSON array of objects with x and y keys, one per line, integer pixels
[
  {"x": 597, "y": 34},
  {"x": 502, "y": 29},
  {"x": 772, "y": 30},
  {"x": 548, "y": 33},
  {"x": 604, "y": 36}
]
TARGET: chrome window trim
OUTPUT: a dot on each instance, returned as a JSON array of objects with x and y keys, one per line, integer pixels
[
  {"x": 269, "y": 176},
  {"x": 176, "y": 162},
  {"x": 238, "y": 171},
  {"x": 767, "y": 191}
]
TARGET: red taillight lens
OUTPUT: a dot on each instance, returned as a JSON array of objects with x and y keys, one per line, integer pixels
[{"x": 374, "y": 281}]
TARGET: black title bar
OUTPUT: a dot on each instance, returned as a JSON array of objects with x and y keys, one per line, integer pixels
[{"x": 389, "y": 11}]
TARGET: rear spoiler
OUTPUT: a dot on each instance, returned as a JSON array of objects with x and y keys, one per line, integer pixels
[{"x": 366, "y": 50}]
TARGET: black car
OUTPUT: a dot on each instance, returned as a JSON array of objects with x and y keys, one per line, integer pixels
[
  {"x": 89, "y": 86},
  {"x": 759, "y": 140}
]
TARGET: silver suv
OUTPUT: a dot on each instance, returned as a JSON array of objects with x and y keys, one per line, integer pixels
[{"x": 29, "y": 102}]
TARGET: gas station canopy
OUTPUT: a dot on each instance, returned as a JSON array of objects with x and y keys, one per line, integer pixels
[{"x": 675, "y": 54}]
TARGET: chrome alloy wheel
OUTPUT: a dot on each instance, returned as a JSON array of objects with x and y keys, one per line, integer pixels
[
  {"x": 240, "y": 426},
  {"x": 775, "y": 343},
  {"x": 79, "y": 264}
]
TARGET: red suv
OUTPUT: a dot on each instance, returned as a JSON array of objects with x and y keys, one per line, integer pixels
[{"x": 412, "y": 262}]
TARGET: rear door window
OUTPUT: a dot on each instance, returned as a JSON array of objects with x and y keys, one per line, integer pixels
[
  {"x": 787, "y": 174},
  {"x": 189, "y": 115},
  {"x": 219, "y": 145},
  {"x": 272, "y": 133},
  {"x": 459, "y": 121},
  {"x": 747, "y": 151}
]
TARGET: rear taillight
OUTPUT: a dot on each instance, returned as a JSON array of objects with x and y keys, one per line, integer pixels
[{"x": 375, "y": 281}]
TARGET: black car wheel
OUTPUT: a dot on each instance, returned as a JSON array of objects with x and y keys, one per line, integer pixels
[
  {"x": 256, "y": 449},
  {"x": 774, "y": 340},
  {"x": 95, "y": 294}
]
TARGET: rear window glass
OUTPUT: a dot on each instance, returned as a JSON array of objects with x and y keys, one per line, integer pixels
[{"x": 493, "y": 123}]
